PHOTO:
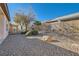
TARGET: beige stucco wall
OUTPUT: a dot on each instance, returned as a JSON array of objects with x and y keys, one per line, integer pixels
[
  {"x": 4, "y": 28},
  {"x": 1, "y": 26}
]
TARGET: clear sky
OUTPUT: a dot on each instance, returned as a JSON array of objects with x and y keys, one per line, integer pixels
[{"x": 45, "y": 11}]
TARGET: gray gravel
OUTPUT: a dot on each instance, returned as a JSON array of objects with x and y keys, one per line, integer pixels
[{"x": 19, "y": 45}]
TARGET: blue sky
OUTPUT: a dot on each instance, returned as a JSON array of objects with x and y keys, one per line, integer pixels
[{"x": 45, "y": 11}]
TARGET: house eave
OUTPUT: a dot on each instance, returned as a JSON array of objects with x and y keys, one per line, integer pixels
[{"x": 5, "y": 10}]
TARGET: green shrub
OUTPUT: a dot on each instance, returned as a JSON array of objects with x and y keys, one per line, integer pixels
[{"x": 33, "y": 32}]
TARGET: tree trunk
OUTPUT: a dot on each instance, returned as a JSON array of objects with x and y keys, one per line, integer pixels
[
  {"x": 21, "y": 27},
  {"x": 26, "y": 26}
]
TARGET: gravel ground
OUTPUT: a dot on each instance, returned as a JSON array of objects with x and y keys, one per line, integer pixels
[{"x": 19, "y": 45}]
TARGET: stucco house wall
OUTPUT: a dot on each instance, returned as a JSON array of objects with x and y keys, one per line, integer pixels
[
  {"x": 3, "y": 28},
  {"x": 4, "y": 25}
]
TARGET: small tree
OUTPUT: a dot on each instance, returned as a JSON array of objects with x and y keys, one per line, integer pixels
[
  {"x": 37, "y": 23},
  {"x": 21, "y": 19}
]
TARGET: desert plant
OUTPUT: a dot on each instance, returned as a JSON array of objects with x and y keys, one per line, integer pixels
[{"x": 33, "y": 32}]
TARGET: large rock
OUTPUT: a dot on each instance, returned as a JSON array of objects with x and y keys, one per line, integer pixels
[{"x": 48, "y": 38}]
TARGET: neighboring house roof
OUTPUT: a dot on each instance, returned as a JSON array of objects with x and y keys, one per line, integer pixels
[
  {"x": 51, "y": 21},
  {"x": 13, "y": 25},
  {"x": 69, "y": 17}
]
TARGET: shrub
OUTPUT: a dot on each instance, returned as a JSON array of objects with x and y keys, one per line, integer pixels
[
  {"x": 33, "y": 32},
  {"x": 24, "y": 32}
]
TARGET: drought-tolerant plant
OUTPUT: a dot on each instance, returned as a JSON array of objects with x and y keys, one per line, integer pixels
[{"x": 33, "y": 32}]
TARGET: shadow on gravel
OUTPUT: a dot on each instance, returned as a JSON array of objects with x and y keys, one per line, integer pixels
[{"x": 55, "y": 41}]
